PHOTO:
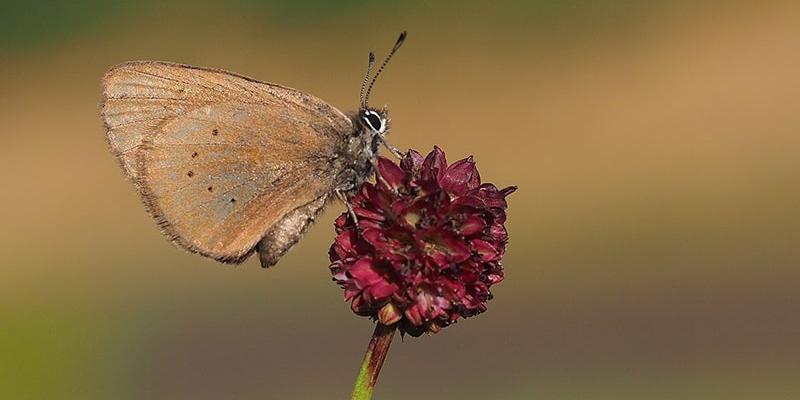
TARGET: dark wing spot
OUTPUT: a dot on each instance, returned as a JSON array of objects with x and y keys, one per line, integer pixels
[
  {"x": 215, "y": 132},
  {"x": 190, "y": 174},
  {"x": 233, "y": 200},
  {"x": 210, "y": 189},
  {"x": 194, "y": 155}
]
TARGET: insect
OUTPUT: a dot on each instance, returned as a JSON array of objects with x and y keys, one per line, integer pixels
[{"x": 228, "y": 165}]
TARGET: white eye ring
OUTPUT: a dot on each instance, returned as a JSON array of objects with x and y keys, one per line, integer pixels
[{"x": 379, "y": 129}]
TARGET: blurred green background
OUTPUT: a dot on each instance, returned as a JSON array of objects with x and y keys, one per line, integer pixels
[{"x": 655, "y": 238}]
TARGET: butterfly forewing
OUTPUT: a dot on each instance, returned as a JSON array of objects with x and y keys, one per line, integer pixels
[{"x": 222, "y": 160}]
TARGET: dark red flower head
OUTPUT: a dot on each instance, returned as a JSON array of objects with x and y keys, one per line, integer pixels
[{"x": 430, "y": 243}]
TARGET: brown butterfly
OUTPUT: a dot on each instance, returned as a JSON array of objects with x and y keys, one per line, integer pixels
[{"x": 229, "y": 165}]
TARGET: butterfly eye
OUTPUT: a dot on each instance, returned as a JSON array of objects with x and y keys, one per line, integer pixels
[{"x": 374, "y": 121}]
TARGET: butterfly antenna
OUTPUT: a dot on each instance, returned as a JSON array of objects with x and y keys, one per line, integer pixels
[
  {"x": 366, "y": 78},
  {"x": 397, "y": 45}
]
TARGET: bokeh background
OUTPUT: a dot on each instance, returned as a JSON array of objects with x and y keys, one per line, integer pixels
[{"x": 655, "y": 237}]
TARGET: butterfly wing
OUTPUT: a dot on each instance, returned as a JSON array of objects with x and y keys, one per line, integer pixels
[{"x": 222, "y": 160}]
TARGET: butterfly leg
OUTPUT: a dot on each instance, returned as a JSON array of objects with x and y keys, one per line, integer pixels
[
  {"x": 397, "y": 153},
  {"x": 349, "y": 206}
]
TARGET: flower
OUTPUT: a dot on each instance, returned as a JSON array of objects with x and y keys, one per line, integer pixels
[{"x": 427, "y": 246}]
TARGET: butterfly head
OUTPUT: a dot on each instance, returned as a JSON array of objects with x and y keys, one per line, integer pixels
[{"x": 376, "y": 121}]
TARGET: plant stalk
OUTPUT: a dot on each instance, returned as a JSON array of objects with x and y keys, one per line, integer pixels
[{"x": 373, "y": 361}]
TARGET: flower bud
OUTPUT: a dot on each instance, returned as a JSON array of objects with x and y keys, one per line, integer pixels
[{"x": 389, "y": 314}]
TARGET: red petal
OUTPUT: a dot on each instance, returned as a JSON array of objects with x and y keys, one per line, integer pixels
[
  {"x": 434, "y": 166},
  {"x": 370, "y": 214},
  {"x": 440, "y": 304},
  {"x": 343, "y": 245},
  {"x": 381, "y": 290},
  {"x": 424, "y": 302},
  {"x": 341, "y": 221},
  {"x": 391, "y": 173},
  {"x": 484, "y": 249},
  {"x": 363, "y": 274},
  {"x": 499, "y": 233},
  {"x": 457, "y": 249},
  {"x": 461, "y": 176},
  {"x": 374, "y": 236},
  {"x": 470, "y": 200},
  {"x": 413, "y": 315},
  {"x": 350, "y": 293},
  {"x": 439, "y": 259},
  {"x": 443, "y": 248},
  {"x": 468, "y": 276},
  {"x": 377, "y": 238},
  {"x": 401, "y": 206},
  {"x": 359, "y": 306},
  {"x": 365, "y": 224},
  {"x": 493, "y": 197},
  {"x": 412, "y": 162},
  {"x": 472, "y": 225}
]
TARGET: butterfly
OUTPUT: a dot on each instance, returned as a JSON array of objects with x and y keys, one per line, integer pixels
[{"x": 229, "y": 165}]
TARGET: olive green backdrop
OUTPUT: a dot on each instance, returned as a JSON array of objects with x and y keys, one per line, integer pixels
[{"x": 655, "y": 236}]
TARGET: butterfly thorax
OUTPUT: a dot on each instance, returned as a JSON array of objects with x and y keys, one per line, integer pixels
[{"x": 359, "y": 153}]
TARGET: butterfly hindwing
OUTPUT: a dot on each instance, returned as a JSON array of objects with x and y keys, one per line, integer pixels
[{"x": 221, "y": 160}]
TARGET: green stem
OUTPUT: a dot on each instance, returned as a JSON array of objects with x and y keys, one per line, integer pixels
[{"x": 373, "y": 360}]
